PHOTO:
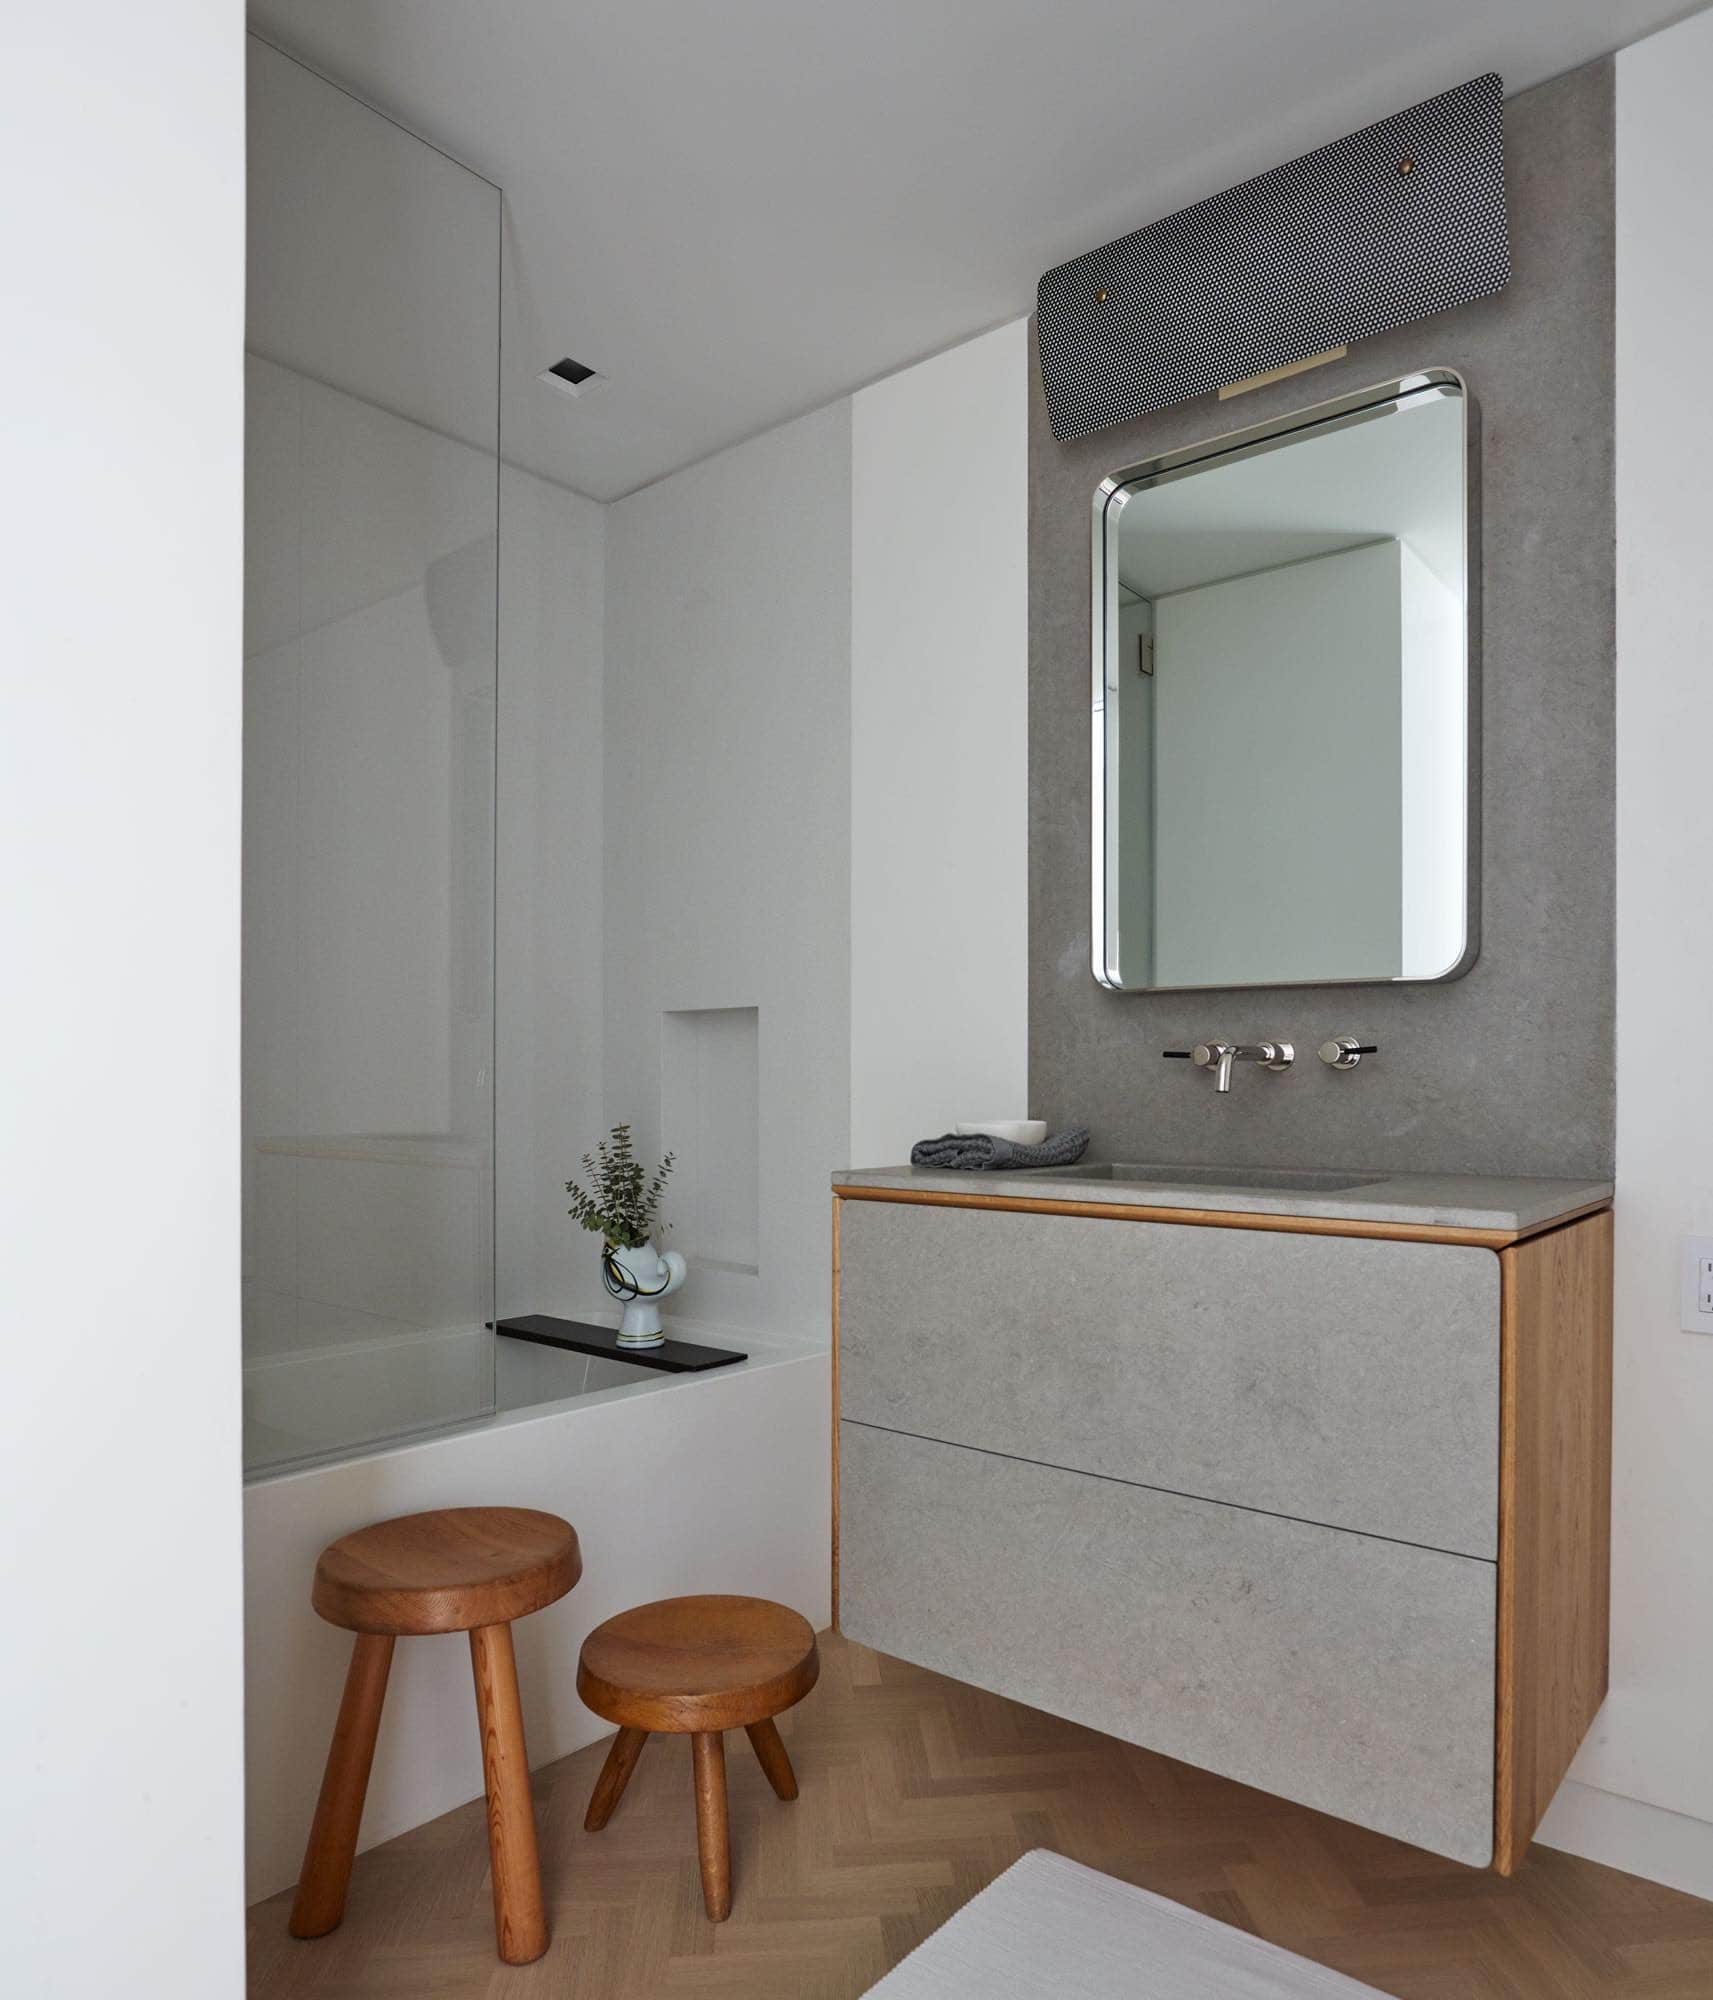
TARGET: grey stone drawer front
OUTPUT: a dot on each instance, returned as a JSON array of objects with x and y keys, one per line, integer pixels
[
  {"x": 1350, "y": 1673},
  {"x": 1342, "y": 1381}
]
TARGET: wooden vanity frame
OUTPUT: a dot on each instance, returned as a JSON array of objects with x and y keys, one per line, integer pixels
[{"x": 1555, "y": 1466}]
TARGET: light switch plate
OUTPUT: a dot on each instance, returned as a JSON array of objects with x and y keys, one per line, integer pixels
[{"x": 1697, "y": 1258}]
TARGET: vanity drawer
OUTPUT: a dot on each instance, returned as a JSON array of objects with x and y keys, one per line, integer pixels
[
  {"x": 1351, "y": 1674},
  {"x": 1341, "y": 1380}
]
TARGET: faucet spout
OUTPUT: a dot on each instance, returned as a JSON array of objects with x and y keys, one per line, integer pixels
[{"x": 1218, "y": 1057}]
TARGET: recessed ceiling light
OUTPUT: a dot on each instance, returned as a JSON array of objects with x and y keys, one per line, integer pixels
[{"x": 570, "y": 377}]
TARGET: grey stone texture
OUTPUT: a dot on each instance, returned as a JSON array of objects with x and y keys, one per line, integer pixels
[
  {"x": 1510, "y": 1069},
  {"x": 1352, "y": 1674},
  {"x": 1340, "y": 1380},
  {"x": 1440, "y": 1201}
]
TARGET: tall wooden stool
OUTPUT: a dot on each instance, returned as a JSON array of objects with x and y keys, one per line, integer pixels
[
  {"x": 459, "y": 1569},
  {"x": 697, "y": 1666}
]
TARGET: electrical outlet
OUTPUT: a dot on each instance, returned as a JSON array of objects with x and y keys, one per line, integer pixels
[{"x": 1697, "y": 1316}]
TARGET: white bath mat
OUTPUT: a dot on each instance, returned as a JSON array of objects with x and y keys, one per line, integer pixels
[{"x": 1050, "y": 1929}]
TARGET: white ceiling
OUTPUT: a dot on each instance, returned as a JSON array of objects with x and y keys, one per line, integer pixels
[{"x": 740, "y": 209}]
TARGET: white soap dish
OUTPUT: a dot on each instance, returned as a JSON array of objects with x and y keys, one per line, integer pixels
[{"x": 1020, "y": 1131}]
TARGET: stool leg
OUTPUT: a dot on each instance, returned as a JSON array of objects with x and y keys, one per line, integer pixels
[
  {"x": 520, "y": 1923},
  {"x": 339, "y": 1811},
  {"x": 615, "y": 1775},
  {"x": 713, "y": 1837},
  {"x": 770, "y": 1754}
]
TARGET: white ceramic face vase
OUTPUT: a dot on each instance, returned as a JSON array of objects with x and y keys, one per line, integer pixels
[{"x": 641, "y": 1277}]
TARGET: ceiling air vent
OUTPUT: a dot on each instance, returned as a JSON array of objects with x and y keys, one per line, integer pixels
[{"x": 569, "y": 377}]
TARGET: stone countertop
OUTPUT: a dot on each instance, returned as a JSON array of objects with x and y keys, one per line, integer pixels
[{"x": 1505, "y": 1203}]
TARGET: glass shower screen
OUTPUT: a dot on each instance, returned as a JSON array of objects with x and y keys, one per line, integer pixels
[{"x": 370, "y": 623}]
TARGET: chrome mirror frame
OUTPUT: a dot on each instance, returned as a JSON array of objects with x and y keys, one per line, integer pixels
[{"x": 1361, "y": 406}]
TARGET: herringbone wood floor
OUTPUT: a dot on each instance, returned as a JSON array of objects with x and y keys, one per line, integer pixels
[{"x": 916, "y": 1791}]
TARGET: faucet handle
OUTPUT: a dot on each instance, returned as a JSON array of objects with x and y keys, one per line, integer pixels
[
  {"x": 1216, "y": 1056},
  {"x": 1345, "y": 1051}
]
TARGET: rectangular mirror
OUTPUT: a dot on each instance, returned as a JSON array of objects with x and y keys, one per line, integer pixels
[{"x": 1284, "y": 712}]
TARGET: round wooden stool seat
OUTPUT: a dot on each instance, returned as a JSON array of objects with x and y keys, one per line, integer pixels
[
  {"x": 457, "y": 1569},
  {"x": 697, "y": 1663},
  {"x": 697, "y": 1666},
  {"x": 451, "y": 1570}
]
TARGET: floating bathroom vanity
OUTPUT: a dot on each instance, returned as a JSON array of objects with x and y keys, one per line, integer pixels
[{"x": 1303, "y": 1479}]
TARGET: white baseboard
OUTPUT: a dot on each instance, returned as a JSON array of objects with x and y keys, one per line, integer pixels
[{"x": 1624, "y": 1833}]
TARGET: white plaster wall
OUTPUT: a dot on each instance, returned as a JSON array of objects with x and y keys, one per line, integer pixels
[
  {"x": 1650, "y": 1756},
  {"x": 727, "y": 820},
  {"x": 1251, "y": 676},
  {"x": 549, "y": 1084},
  {"x": 698, "y": 1483},
  {"x": 939, "y": 746},
  {"x": 121, "y": 345}
]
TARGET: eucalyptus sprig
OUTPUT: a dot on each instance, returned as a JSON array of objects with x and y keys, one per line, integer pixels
[{"x": 621, "y": 1202}]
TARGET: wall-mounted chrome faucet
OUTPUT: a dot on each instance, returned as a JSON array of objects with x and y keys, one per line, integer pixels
[{"x": 1220, "y": 1057}]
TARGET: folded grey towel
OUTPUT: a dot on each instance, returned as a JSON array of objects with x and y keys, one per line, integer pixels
[{"x": 981, "y": 1154}]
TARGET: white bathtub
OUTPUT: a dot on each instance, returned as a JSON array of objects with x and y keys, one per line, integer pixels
[
  {"x": 675, "y": 1483},
  {"x": 326, "y": 1402}
]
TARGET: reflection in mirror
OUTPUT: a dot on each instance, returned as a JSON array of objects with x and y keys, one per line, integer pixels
[{"x": 1282, "y": 702}]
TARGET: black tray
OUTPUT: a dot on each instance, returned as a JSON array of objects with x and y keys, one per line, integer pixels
[{"x": 671, "y": 1357}]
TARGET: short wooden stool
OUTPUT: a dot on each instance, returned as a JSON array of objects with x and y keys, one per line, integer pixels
[
  {"x": 696, "y": 1666},
  {"x": 459, "y": 1569}
]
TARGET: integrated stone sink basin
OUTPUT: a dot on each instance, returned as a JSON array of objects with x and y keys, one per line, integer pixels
[
  {"x": 1501, "y": 1204},
  {"x": 1267, "y": 1180}
]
